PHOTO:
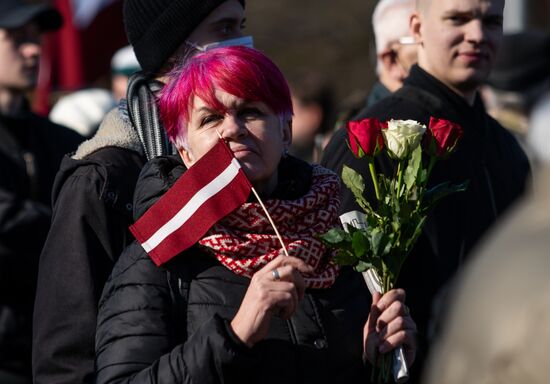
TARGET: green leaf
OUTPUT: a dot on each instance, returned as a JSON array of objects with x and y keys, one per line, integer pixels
[
  {"x": 423, "y": 176},
  {"x": 436, "y": 193},
  {"x": 345, "y": 258},
  {"x": 353, "y": 180},
  {"x": 396, "y": 225},
  {"x": 362, "y": 266},
  {"x": 334, "y": 236},
  {"x": 381, "y": 243},
  {"x": 376, "y": 240},
  {"x": 372, "y": 221},
  {"x": 360, "y": 244},
  {"x": 412, "y": 171},
  {"x": 389, "y": 245}
]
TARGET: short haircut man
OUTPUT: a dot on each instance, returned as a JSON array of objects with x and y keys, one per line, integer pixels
[{"x": 457, "y": 43}]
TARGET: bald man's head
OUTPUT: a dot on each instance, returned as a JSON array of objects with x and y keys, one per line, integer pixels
[{"x": 458, "y": 40}]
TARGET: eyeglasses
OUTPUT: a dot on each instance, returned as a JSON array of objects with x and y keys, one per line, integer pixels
[{"x": 406, "y": 40}]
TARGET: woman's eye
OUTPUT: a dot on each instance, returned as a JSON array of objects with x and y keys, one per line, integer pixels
[
  {"x": 250, "y": 113},
  {"x": 209, "y": 119}
]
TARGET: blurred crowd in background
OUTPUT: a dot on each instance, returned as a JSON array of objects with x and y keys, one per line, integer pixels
[{"x": 327, "y": 51}]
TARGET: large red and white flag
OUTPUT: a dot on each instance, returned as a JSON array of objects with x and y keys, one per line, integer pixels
[{"x": 211, "y": 189}]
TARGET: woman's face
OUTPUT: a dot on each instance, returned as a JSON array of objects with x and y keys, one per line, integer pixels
[{"x": 255, "y": 135}]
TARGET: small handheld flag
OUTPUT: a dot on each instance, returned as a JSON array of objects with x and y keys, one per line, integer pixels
[{"x": 211, "y": 189}]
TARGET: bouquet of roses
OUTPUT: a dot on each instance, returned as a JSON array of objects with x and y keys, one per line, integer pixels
[{"x": 381, "y": 239}]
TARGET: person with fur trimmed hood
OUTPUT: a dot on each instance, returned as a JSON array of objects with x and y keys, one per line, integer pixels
[{"x": 93, "y": 192}]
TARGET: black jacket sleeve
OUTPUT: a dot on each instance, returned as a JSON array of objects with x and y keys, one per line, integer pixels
[
  {"x": 23, "y": 228},
  {"x": 136, "y": 339},
  {"x": 31, "y": 149},
  {"x": 24, "y": 224},
  {"x": 75, "y": 263},
  {"x": 92, "y": 212}
]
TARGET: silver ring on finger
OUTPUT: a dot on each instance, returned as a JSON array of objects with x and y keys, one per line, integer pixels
[{"x": 275, "y": 274}]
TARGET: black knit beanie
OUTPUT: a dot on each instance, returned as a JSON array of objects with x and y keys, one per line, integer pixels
[{"x": 157, "y": 28}]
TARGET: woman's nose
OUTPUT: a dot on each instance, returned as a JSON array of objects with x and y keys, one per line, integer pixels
[{"x": 233, "y": 128}]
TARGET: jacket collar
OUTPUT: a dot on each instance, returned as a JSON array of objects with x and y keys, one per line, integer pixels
[
  {"x": 418, "y": 77},
  {"x": 114, "y": 131},
  {"x": 463, "y": 111},
  {"x": 377, "y": 93}
]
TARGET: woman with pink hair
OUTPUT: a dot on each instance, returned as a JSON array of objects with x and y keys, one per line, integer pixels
[{"x": 232, "y": 308}]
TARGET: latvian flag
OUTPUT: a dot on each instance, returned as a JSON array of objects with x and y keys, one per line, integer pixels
[{"x": 211, "y": 189}]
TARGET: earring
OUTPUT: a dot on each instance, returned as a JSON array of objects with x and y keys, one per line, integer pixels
[{"x": 285, "y": 153}]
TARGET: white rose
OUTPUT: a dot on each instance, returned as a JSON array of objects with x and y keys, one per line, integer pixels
[{"x": 403, "y": 136}]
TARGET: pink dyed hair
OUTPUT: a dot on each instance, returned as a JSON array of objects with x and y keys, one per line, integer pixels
[{"x": 240, "y": 71}]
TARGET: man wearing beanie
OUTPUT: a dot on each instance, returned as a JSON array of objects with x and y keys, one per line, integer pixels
[
  {"x": 93, "y": 193},
  {"x": 31, "y": 149}
]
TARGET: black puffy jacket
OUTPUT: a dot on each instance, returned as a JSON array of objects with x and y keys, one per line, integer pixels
[{"x": 171, "y": 324}]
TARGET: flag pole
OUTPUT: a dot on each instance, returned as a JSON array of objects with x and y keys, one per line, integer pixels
[
  {"x": 270, "y": 221},
  {"x": 266, "y": 212}
]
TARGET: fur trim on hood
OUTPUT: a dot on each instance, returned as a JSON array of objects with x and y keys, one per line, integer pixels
[{"x": 114, "y": 131}]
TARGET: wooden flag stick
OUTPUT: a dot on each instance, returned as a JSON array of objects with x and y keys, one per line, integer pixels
[
  {"x": 266, "y": 213},
  {"x": 270, "y": 221}
]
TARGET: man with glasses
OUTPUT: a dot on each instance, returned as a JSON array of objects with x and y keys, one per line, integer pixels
[{"x": 395, "y": 47}]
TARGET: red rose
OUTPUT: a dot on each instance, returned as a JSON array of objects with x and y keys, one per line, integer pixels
[
  {"x": 443, "y": 136},
  {"x": 365, "y": 137}
]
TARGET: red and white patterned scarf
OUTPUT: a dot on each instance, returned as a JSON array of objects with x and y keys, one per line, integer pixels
[{"x": 244, "y": 241}]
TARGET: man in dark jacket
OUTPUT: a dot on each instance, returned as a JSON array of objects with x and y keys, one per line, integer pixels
[
  {"x": 31, "y": 149},
  {"x": 93, "y": 193},
  {"x": 458, "y": 40}
]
